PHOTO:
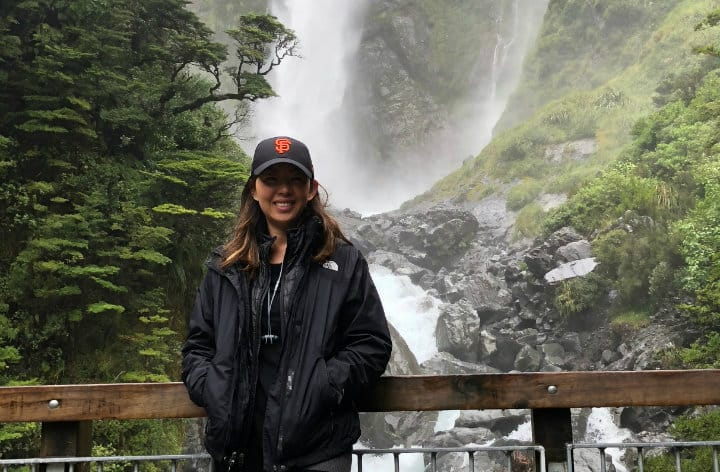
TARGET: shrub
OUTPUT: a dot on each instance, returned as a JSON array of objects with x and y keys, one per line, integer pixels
[
  {"x": 703, "y": 353},
  {"x": 605, "y": 199},
  {"x": 637, "y": 262},
  {"x": 703, "y": 427},
  {"x": 576, "y": 296}
]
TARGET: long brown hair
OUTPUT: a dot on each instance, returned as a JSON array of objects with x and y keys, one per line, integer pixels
[{"x": 242, "y": 246}]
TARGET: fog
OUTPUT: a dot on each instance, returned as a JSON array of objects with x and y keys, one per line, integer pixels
[{"x": 313, "y": 106}]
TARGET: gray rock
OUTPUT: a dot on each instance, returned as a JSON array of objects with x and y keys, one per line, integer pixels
[
  {"x": 554, "y": 354},
  {"x": 570, "y": 270},
  {"x": 574, "y": 251},
  {"x": 402, "y": 360},
  {"x": 399, "y": 264},
  {"x": 501, "y": 422},
  {"x": 572, "y": 150},
  {"x": 504, "y": 352},
  {"x": 588, "y": 460},
  {"x": 444, "y": 363},
  {"x": 528, "y": 359},
  {"x": 458, "y": 331}
]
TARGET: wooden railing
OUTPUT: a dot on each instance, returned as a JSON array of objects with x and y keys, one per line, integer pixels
[{"x": 66, "y": 411}]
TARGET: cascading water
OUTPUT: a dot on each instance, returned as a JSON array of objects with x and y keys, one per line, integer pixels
[
  {"x": 311, "y": 87},
  {"x": 502, "y": 48},
  {"x": 472, "y": 125},
  {"x": 601, "y": 428},
  {"x": 313, "y": 103},
  {"x": 311, "y": 106}
]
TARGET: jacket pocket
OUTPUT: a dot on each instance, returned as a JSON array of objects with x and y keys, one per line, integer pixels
[
  {"x": 195, "y": 385},
  {"x": 307, "y": 418},
  {"x": 217, "y": 398}
]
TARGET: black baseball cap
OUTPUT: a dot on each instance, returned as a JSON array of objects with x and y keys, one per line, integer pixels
[{"x": 279, "y": 150}]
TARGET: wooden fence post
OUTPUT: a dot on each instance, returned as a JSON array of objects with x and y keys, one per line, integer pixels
[
  {"x": 65, "y": 439},
  {"x": 552, "y": 429}
]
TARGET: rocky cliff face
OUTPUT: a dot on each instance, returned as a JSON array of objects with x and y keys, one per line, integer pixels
[
  {"x": 498, "y": 312},
  {"x": 429, "y": 72}
]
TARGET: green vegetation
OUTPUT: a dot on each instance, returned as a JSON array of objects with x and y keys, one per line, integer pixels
[
  {"x": 583, "y": 45},
  {"x": 524, "y": 192},
  {"x": 625, "y": 324},
  {"x": 577, "y": 296},
  {"x": 690, "y": 428},
  {"x": 528, "y": 221},
  {"x": 117, "y": 175},
  {"x": 656, "y": 214}
]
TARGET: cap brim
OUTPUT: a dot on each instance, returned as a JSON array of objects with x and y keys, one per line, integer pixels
[{"x": 282, "y": 160}]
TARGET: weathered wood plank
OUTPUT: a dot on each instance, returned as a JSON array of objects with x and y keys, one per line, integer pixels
[
  {"x": 531, "y": 390},
  {"x": 96, "y": 401},
  {"x": 406, "y": 393}
]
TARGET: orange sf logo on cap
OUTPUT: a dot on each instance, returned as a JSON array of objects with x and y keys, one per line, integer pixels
[{"x": 282, "y": 145}]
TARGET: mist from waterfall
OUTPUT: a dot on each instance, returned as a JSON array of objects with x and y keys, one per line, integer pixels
[
  {"x": 472, "y": 124},
  {"x": 311, "y": 87},
  {"x": 312, "y": 106}
]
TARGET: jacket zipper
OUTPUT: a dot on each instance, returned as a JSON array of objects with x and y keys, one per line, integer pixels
[
  {"x": 289, "y": 374},
  {"x": 255, "y": 337}
]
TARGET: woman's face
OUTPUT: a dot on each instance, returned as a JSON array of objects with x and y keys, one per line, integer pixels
[{"x": 283, "y": 191}]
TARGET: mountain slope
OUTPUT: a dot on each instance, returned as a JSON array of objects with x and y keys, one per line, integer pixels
[{"x": 570, "y": 138}]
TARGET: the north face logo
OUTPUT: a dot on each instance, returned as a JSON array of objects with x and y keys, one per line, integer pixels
[
  {"x": 282, "y": 145},
  {"x": 331, "y": 265}
]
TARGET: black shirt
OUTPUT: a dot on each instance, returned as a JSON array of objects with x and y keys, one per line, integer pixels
[{"x": 270, "y": 350}]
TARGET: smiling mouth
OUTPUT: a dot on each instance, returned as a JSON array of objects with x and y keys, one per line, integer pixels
[{"x": 284, "y": 205}]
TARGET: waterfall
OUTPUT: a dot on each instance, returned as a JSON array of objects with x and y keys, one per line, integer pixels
[
  {"x": 311, "y": 87},
  {"x": 473, "y": 126},
  {"x": 502, "y": 48},
  {"x": 602, "y": 427},
  {"x": 410, "y": 310},
  {"x": 312, "y": 104}
]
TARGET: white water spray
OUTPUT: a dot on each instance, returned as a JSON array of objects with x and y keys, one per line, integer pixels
[
  {"x": 410, "y": 310},
  {"x": 312, "y": 107},
  {"x": 473, "y": 125},
  {"x": 312, "y": 87},
  {"x": 601, "y": 428}
]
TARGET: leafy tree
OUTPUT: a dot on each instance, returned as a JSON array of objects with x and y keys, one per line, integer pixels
[
  {"x": 699, "y": 234},
  {"x": 117, "y": 173}
]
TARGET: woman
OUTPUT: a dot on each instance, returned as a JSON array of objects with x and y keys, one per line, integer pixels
[{"x": 287, "y": 328}]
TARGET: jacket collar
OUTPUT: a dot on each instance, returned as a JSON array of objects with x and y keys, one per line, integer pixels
[{"x": 301, "y": 239}]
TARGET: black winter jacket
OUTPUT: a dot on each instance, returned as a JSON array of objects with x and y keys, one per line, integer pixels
[{"x": 336, "y": 344}]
